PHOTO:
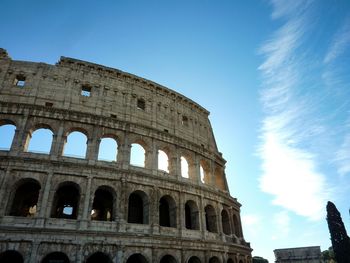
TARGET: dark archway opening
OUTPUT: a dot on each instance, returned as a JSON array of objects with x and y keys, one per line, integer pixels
[
  {"x": 138, "y": 208},
  {"x": 11, "y": 256},
  {"x": 225, "y": 222},
  {"x": 66, "y": 202},
  {"x": 168, "y": 259},
  {"x": 56, "y": 257},
  {"x": 210, "y": 219},
  {"x": 99, "y": 257},
  {"x": 191, "y": 216},
  {"x": 25, "y": 199},
  {"x": 194, "y": 260},
  {"x": 136, "y": 258},
  {"x": 102, "y": 207}
]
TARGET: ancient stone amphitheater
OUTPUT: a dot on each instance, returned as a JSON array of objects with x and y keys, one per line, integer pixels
[{"x": 56, "y": 207}]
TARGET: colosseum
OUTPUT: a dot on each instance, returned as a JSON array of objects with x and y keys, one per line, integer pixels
[{"x": 59, "y": 207}]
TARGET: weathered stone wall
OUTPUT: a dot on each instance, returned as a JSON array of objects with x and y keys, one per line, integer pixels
[{"x": 131, "y": 110}]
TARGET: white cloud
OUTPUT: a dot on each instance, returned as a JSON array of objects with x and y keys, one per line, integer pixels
[
  {"x": 339, "y": 44},
  {"x": 289, "y": 170}
]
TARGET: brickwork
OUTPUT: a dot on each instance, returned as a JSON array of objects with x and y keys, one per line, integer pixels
[{"x": 102, "y": 102}]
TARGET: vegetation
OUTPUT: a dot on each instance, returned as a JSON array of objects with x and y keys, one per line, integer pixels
[
  {"x": 339, "y": 237},
  {"x": 259, "y": 260}
]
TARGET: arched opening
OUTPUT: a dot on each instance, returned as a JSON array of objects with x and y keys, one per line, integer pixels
[
  {"x": 99, "y": 257},
  {"x": 210, "y": 219},
  {"x": 66, "y": 202},
  {"x": 136, "y": 258},
  {"x": 191, "y": 215},
  {"x": 56, "y": 257},
  {"x": 108, "y": 150},
  {"x": 225, "y": 220},
  {"x": 11, "y": 256},
  {"x": 40, "y": 141},
  {"x": 236, "y": 226},
  {"x": 168, "y": 259},
  {"x": 204, "y": 172},
  {"x": 163, "y": 161},
  {"x": 7, "y": 133},
  {"x": 102, "y": 207},
  {"x": 167, "y": 211},
  {"x": 137, "y": 155},
  {"x": 25, "y": 199},
  {"x": 194, "y": 260},
  {"x": 76, "y": 145},
  {"x": 214, "y": 260},
  {"x": 184, "y": 167},
  {"x": 230, "y": 260},
  {"x": 138, "y": 208}
]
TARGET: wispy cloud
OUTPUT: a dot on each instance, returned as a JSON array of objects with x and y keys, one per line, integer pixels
[
  {"x": 290, "y": 171},
  {"x": 340, "y": 43}
]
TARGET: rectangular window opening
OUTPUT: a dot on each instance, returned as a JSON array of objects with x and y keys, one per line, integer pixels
[
  {"x": 20, "y": 81},
  {"x": 48, "y": 104},
  {"x": 141, "y": 104},
  {"x": 86, "y": 91}
]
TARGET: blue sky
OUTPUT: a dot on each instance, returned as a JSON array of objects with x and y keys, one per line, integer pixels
[{"x": 273, "y": 74}]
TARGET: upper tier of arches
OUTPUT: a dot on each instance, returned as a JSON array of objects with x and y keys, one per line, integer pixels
[{"x": 101, "y": 145}]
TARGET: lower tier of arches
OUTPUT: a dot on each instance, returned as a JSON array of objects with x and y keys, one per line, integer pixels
[{"x": 65, "y": 247}]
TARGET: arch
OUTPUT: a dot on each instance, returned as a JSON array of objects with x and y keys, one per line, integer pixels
[
  {"x": 137, "y": 258},
  {"x": 25, "y": 199},
  {"x": 66, "y": 201},
  {"x": 191, "y": 215},
  {"x": 167, "y": 211},
  {"x": 230, "y": 260},
  {"x": 103, "y": 204},
  {"x": 40, "y": 141},
  {"x": 137, "y": 155},
  {"x": 236, "y": 226},
  {"x": 7, "y": 134},
  {"x": 76, "y": 144},
  {"x": 138, "y": 208},
  {"x": 11, "y": 256},
  {"x": 168, "y": 259},
  {"x": 194, "y": 259},
  {"x": 225, "y": 220},
  {"x": 204, "y": 171},
  {"x": 210, "y": 219},
  {"x": 56, "y": 257},
  {"x": 163, "y": 161},
  {"x": 185, "y": 171},
  {"x": 108, "y": 149},
  {"x": 214, "y": 260},
  {"x": 99, "y": 257}
]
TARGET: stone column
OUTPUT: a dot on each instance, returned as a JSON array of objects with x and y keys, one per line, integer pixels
[
  {"x": 58, "y": 142},
  {"x": 87, "y": 201},
  {"x": 4, "y": 193},
  {"x": 44, "y": 207},
  {"x": 19, "y": 139}
]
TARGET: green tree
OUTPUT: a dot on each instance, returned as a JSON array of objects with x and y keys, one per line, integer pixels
[
  {"x": 328, "y": 256},
  {"x": 259, "y": 260},
  {"x": 339, "y": 237}
]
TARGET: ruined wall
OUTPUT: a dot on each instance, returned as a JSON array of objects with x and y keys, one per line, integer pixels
[{"x": 184, "y": 218}]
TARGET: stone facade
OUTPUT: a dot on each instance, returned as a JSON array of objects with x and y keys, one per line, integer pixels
[
  {"x": 298, "y": 255},
  {"x": 59, "y": 208}
]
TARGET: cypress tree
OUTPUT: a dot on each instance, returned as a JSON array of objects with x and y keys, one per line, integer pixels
[{"x": 339, "y": 237}]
